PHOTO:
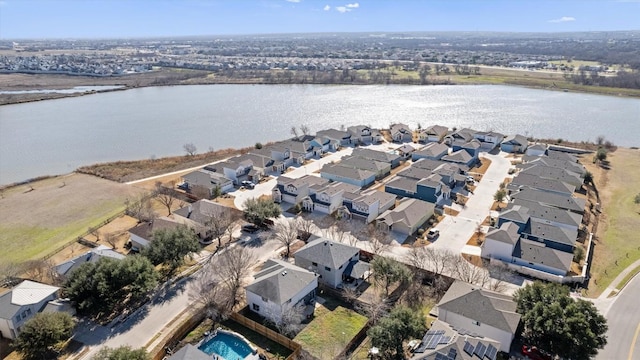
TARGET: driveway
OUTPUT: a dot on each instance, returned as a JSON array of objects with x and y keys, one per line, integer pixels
[{"x": 455, "y": 231}]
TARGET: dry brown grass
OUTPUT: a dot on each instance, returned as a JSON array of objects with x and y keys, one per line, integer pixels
[{"x": 482, "y": 169}]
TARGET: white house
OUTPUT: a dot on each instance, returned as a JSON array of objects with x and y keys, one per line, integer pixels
[
  {"x": 21, "y": 303},
  {"x": 483, "y": 312},
  {"x": 279, "y": 287},
  {"x": 92, "y": 255},
  {"x": 536, "y": 150}
]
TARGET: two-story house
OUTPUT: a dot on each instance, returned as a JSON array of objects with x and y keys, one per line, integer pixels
[
  {"x": 361, "y": 134},
  {"x": 330, "y": 260},
  {"x": 406, "y": 217},
  {"x": 21, "y": 303},
  {"x": 434, "y": 133},
  {"x": 293, "y": 190},
  {"x": 208, "y": 181},
  {"x": 401, "y": 133},
  {"x": 347, "y": 174},
  {"x": 328, "y": 198},
  {"x": 433, "y": 151}
]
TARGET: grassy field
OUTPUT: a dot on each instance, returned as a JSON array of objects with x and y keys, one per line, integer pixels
[
  {"x": 618, "y": 242},
  {"x": 330, "y": 331},
  {"x": 35, "y": 222}
]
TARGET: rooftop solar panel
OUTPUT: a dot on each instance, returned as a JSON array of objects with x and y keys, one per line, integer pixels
[
  {"x": 453, "y": 353},
  {"x": 491, "y": 353},
  {"x": 468, "y": 348},
  {"x": 480, "y": 350}
]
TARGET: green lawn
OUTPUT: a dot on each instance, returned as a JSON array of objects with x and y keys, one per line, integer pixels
[{"x": 330, "y": 331}]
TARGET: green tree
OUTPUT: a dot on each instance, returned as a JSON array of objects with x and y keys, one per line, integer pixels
[
  {"x": 601, "y": 154},
  {"x": 257, "y": 210},
  {"x": 578, "y": 254},
  {"x": 121, "y": 353},
  {"x": 637, "y": 199},
  {"x": 392, "y": 330},
  {"x": 44, "y": 335},
  {"x": 559, "y": 324},
  {"x": 587, "y": 177},
  {"x": 170, "y": 247},
  {"x": 499, "y": 195},
  {"x": 98, "y": 288},
  {"x": 387, "y": 272}
]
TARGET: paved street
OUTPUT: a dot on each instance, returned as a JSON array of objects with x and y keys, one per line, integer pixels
[{"x": 623, "y": 319}]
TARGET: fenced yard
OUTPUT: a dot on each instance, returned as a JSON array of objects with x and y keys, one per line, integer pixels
[{"x": 331, "y": 330}]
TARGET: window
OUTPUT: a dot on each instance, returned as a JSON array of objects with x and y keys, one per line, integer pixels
[
  {"x": 327, "y": 268},
  {"x": 264, "y": 299},
  {"x": 340, "y": 266},
  {"x": 314, "y": 263},
  {"x": 255, "y": 307}
]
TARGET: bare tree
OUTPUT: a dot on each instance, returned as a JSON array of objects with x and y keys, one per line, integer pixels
[
  {"x": 111, "y": 239},
  {"x": 375, "y": 309},
  {"x": 213, "y": 294},
  {"x": 163, "y": 195},
  {"x": 289, "y": 323},
  {"x": 10, "y": 271},
  {"x": 140, "y": 208},
  {"x": 190, "y": 149},
  {"x": 286, "y": 232},
  {"x": 39, "y": 270},
  {"x": 220, "y": 223},
  {"x": 294, "y": 132},
  {"x": 378, "y": 240},
  {"x": 233, "y": 266},
  {"x": 95, "y": 232},
  {"x": 350, "y": 294},
  {"x": 304, "y": 227},
  {"x": 466, "y": 271},
  {"x": 304, "y": 129},
  {"x": 438, "y": 260}
]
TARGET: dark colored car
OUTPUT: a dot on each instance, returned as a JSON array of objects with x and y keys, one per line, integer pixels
[
  {"x": 533, "y": 353},
  {"x": 250, "y": 228}
]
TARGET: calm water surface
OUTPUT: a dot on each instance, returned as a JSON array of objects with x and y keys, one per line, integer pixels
[{"x": 57, "y": 136}]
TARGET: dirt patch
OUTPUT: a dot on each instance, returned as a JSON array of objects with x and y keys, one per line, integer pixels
[
  {"x": 476, "y": 239},
  {"x": 482, "y": 169},
  {"x": 42, "y": 216}
]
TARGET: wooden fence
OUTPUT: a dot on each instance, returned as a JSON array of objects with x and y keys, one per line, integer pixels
[
  {"x": 268, "y": 333},
  {"x": 172, "y": 339}
]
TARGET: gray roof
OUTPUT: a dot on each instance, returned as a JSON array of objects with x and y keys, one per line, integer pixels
[
  {"x": 516, "y": 213},
  {"x": 357, "y": 269},
  {"x": 458, "y": 339},
  {"x": 538, "y": 146},
  {"x": 90, "y": 256},
  {"x": 409, "y": 212},
  {"x": 347, "y": 172},
  {"x": 403, "y": 183},
  {"x": 554, "y": 173},
  {"x": 206, "y": 178},
  {"x": 427, "y": 164},
  {"x": 433, "y": 150},
  {"x": 550, "y": 213},
  {"x": 554, "y": 154},
  {"x": 201, "y": 211},
  {"x": 26, "y": 293},
  {"x": 507, "y": 233},
  {"x": 364, "y": 164},
  {"x": 460, "y": 156},
  {"x": 547, "y": 161},
  {"x": 372, "y": 196},
  {"x": 487, "y": 307},
  {"x": 376, "y": 155},
  {"x": 145, "y": 230},
  {"x": 334, "y": 134},
  {"x": 436, "y": 130},
  {"x": 336, "y": 187},
  {"x": 535, "y": 182},
  {"x": 306, "y": 180},
  {"x": 516, "y": 140},
  {"x": 537, "y": 253},
  {"x": 279, "y": 281},
  {"x": 327, "y": 252},
  {"x": 551, "y": 199},
  {"x": 413, "y": 172},
  {"x": 554, "y": 233},
  {"x": 189, "y": 352}
]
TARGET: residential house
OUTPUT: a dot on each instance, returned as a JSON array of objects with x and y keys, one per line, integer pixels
[
  {"x": 208, "y": 181},
  {"x": 262, "y": 166},
  {"x": 327, "y": 198},
  {"x": 199, "y": 215},
  {"x": 279, "y": 287},
  {"x": 349, "y": 175},
  {"x": 486, "y": 313},
  {"x": 471, "y": 147},
  {"x": 559, "y": 201},
  {"x": 189, "y": 352},
  {"x": 461, "y": 136},
  {"x": 405, "y": 151},
  {"x": 433, "y": 151},
  {"x": 548, "y": 214},
  {"x": 559, "y": 155},
  {"x": 361, "y": 134},
  {"x": 331, "y": 261},
  {"x": 401, "y": 133},
  {"x": 339, "y": 137},
  {"x": 500, "y": 242},
  {"x": 21, "y": 303},
  {"x": 368, "y": 205},
  {"x": 416, "y": 173},
  {"x": 460, "y": 157},
  {"x": 293, "y": 190},
  {"x": 406, "y": 217},
  {"x": 514, "y": 144},
  {"x": 434, "y": 133},
  {"x": 554, "y": 173},
  {"x": 375, "y": 155},
  {"x": 489, "y": 139},
  {"x": 93, "y": 255},
  {"x": 571, "y": 166},
  {"x": 536, "y": 149},
  {"x": 526, "y": 180},
  {"x": 430, "y": 189},
  {"x": 381, "y": 169},
  {"x": 235, "y": 169},
  {"x": 141, "y": 235},
  {"x": 445, "y": 342}
]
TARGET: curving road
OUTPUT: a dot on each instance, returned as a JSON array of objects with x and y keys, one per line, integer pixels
[{"x": 623, "y": 319}]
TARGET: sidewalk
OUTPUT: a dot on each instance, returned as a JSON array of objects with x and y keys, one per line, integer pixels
[{"x": 614, "y": 284}]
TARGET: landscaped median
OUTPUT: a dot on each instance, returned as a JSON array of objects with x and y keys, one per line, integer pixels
[{"x": 330, "y": 331}]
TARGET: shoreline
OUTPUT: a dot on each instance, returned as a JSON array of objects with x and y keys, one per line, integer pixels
[{"x": 13, "y": 99}]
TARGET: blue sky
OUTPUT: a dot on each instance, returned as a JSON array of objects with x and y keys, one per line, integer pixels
[{"x": 143, "y": 18}]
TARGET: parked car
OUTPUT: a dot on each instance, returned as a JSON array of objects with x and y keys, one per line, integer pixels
[
  {"x": 248, "y": 184},
  {"x": 250, "y": 228},
  {"x": 433, "y": 234},
  {"x": 533, "y": 353}
]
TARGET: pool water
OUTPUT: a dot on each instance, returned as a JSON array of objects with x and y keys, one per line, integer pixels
[{"x": 226, "y": 345}]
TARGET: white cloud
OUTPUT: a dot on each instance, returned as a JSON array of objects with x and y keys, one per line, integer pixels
[
  {"x": 563, "y": 19},
  {"x": 342, "y": 9},
  {"x": 353, "y": 6},
  {"x": 326, "y": 8},
  {"x": 294, "y": 1}
]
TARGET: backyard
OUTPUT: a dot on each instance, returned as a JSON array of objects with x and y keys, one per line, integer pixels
[{"x": 331, "y": 330}]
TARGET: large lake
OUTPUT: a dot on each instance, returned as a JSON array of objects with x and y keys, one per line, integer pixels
[{"x": 56, "y": 136}]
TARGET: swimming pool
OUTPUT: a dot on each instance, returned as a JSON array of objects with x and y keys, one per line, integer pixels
[{"x": 227, "y": 345}]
